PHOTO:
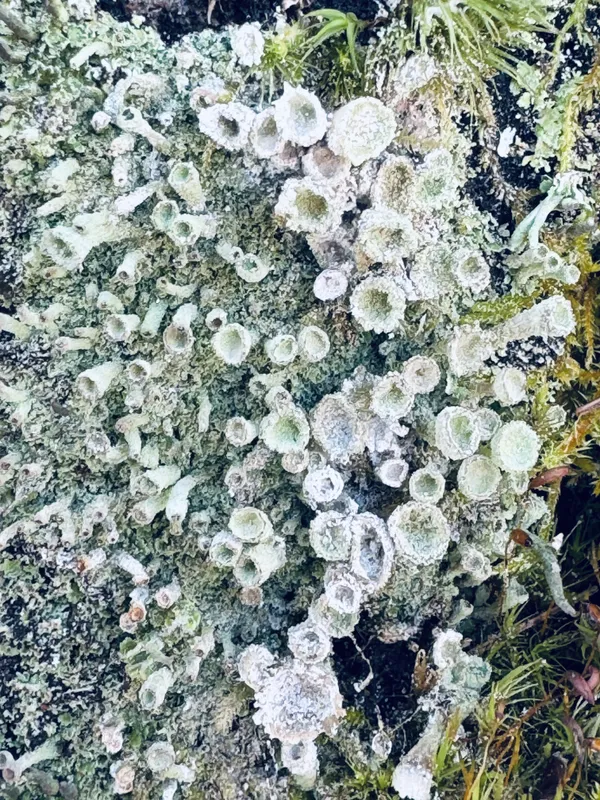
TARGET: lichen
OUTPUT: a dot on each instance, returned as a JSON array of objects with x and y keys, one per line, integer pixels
[{"x": 246, "y": 411}]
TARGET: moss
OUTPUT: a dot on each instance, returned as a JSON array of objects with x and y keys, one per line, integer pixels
[{"x": 493, "y": 312}]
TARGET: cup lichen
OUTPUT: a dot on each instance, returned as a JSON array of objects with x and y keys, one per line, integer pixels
[{"x": 242, "y": 369}]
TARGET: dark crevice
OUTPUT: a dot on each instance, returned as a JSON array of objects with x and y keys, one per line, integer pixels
[{"x": 176, "y": 18}]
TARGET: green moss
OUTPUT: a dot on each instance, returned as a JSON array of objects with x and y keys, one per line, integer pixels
[{"x": 493, "y": 312}]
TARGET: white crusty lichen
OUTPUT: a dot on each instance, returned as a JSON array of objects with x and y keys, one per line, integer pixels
[
  {"x": 299, "y": 701},
  {"x": 309, "y": 206},
  {"x": 413, "y": 776},
  {"x": 300, "y": 116},
  {"x": 285, "y": 431},
  {"x": 185, "y": 180},
  {"x": 420, "y": 532},
  {"x": 478, "y": 477},
  {"x": 251, "y": 268},
  {"x": 509, "y": 386},
  {"x": 13, "y": 768},
  {"x": 385, "y": 236},
  {"x": 302, "y": 761},
  {"x": 460, "y": 679},
  {"x": 343, "y": 594},
  {"x": 178, "y": 337},
  {"x": 392, "y": 472},
  {"x": 225, "y": 549},
  {"x": 313, "y": 343},
  {"x": 378, "y": 304},
  {"x": 93, "y": 383},
  {"x": 249, "y": 407},
  {"x": 232, "y": 343},
  {"x": 228, "y": 124},
  {"x": 240, "y": 431},
  {"x": 336, "y": 427},
  {"x": 361, "y": 130},
  {"x": 322, "y": 486},
  {"x": 258, "y": 562},
  {"x": 250, "y": 524},
  {"x": 282, "y": 349},
  {"x": 421, "y": 374},
  {"x": 309, "y": 642},
  {"x": 330, "y": 284},
  {"x": 154, "y": 689},
  {"x": 248, "y": 44},
  {"x": 515, "y": 447},
  {"x": 331, "y": 535},
  {"x": 372, "y": 552},
  {"x": 426, "y": 485},
  {"x": 266, "y": 137},
  {"x": 457, "y": 433}
]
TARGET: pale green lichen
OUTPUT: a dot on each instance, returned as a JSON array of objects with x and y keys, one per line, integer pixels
[{"x": 216, "y": 328}]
